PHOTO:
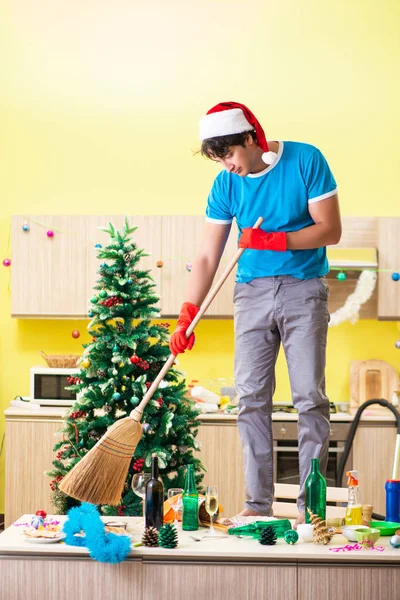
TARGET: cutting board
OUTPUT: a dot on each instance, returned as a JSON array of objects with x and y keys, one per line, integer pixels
[{"x": 372, "y": 379}]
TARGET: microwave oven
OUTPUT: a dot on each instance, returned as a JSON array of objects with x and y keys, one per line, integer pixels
[{"x": 47, "y": 386}]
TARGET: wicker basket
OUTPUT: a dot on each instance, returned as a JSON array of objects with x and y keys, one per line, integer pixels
[{"x": 61, "y": 361}]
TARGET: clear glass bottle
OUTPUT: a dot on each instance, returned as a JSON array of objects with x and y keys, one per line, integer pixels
[
  {"x": 190, "y": 502},
  {"x": 315, "y": 488}
]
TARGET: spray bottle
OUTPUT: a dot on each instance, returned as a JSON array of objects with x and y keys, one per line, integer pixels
[{"x": 354, "y": 508}]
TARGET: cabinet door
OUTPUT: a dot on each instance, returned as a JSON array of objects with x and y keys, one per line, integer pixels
[
  {"x": 389, "y": 262},
  {"x": 29, "y": 453},
  {"x": 221, "y": 455},
  {"x": 146, "y": 237},
  {"x": 48, "y": 275},
  {"x": 181, "y": 239},
  {"x": 373, "y": 453}
]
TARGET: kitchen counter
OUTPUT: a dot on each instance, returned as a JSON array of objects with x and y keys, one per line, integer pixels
[
  {"x": 227, "y": 568},
  {"x": 50, "y": 412}
]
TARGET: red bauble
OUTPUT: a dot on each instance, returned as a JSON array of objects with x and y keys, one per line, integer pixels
[
  {"x": 134, "y": 359},
  {"x": 41, "y": 513},
  {"x": 75, "y": 334}
]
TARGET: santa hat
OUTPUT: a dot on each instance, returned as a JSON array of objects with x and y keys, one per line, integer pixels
[{"x": 228, "y": 118}]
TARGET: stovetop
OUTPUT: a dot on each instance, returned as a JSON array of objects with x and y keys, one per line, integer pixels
[{"x": 289, "y": 408}]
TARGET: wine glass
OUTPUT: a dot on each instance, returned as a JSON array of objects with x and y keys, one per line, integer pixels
[
  {"x": 175, "y": 500},
  {"x": 139, "y": 482},
  {"x": 212, "y": 505}
]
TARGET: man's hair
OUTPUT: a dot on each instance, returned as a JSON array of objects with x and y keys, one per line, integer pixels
[{"x": 219, "y": 146}]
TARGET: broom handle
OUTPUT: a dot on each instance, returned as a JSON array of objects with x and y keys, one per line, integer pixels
[{"x": 204, "y": 305}]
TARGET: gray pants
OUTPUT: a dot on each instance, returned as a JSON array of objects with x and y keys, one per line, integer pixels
[{"x": 268, "y": 311}]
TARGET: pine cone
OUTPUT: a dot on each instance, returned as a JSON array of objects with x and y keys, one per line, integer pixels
[
  {"x": 127, "y": 257},
  {"x": 101, "y": 373},
  {"x": 268, "y": 536},
  {"x": 150, "y": 537},
  {"x": 120, "y": 327},
  {"x": 168, "y": 536},
  {"x": 320, "y": 531}
]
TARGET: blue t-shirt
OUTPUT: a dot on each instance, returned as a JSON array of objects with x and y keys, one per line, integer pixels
[{"x": 281, "y": 195}]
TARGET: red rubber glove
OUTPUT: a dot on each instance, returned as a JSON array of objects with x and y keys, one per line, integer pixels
[
  {"x": 178, "y": 342},
  {"x": 258, "y": 239}
]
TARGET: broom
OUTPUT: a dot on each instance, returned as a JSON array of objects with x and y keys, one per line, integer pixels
[{"x": 100, "y": 476}]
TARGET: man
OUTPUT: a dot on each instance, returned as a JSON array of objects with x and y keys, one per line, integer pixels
[{"x": 281, "y": 295}]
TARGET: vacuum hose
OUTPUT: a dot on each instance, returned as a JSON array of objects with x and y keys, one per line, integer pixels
[{"x": 350, "y": 438}]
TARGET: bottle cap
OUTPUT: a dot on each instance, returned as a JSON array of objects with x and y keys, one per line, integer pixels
[{"x": 353, "y": 478}]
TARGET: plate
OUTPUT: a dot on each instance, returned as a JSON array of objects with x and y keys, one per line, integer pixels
[
  {"x": 45, "y": 540},
  {"x": 385, "y": 527}
]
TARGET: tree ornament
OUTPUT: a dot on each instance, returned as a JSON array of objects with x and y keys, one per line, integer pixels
[
  {"x": 50, "y": 233},
  {"x": 103, "y": 294},
  {"x": 320, "y": 531},
  {"x": 115, "y": 372},
  {"x": 6, "y": 262},
  {"x": 76, "y": 333},
  {"x": 127, "y": 257},
  {"x": 291, "y": 536},
  {"x": 159, "y": 264},
  {"x": 86, "y": 363},
  {"x": 135, "y": 400},
  {"x": 101, "y": 373},
  {"x": 94, "y": 435},
  {"x": 115, "y": 349},
  {"x": 107, "y": 408},
  {"x": 183, "y": 449},
  {"x": 116, "y": 396},
  {"x": 268, "y": 536},
  {"x": 341, "y": 276},
  {"x": 146, "y": 428},
  {"x": 25, "y": 227},
  {"x": 90, "y": 313},
  {"x": 134, "y": 359},
  {"x": 150, "y": 537},
  {"x": 37, "y": 522},
  {"x": 94, "y": 299},
  {"x": 123, "y": 388},
  {"x": 397, "y": 344},
  {"x": 168, "y": 536},
  {"x": 103, "y": 265},
  {"x": 130, "y": 281},
  {"x": 395, "y": 276},
  {"x": 120, "y": 327},
  {"x": 395, "y": 541},
  {"x": 120, "y": 252},
  {"x": 98, "y": 246}
]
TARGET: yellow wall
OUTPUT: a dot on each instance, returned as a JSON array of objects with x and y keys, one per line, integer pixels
[{"x": 99, "y": 109}]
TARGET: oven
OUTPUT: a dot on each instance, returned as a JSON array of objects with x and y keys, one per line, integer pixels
[{"x": 286, "y": 452}]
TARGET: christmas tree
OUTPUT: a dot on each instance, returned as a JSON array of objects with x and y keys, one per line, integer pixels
[{"x": 126, "y": 353}]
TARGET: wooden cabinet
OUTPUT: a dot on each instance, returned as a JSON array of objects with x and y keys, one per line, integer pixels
[
  {"x": 373, "y": 453},
  {"x": 48, "y": 276},
  {"x": 30, "y": 440},
  {"x": 29, "y": 453},
  {"x": 389, "y": 262},
  {"x": 182, "y": 236},
  {"x": 54, "y": 277}
]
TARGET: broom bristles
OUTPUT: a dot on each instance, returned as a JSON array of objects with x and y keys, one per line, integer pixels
[{"x": 100, "y": 476}]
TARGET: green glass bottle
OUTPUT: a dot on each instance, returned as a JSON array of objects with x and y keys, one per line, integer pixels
[
  {"x": 190, "y": 502},
  {"x": 315, "y": 487}
]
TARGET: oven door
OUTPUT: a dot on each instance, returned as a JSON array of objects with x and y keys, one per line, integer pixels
[{"x": 286, "y": 453}]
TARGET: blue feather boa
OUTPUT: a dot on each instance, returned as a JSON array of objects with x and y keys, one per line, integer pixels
[{"x": 103, "y": 547}]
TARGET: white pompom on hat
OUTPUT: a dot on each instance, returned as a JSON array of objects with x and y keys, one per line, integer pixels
[{"x": 228, "y": 118}]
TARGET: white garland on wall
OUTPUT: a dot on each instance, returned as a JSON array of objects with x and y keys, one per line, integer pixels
[{"x": 350, "y": 311}]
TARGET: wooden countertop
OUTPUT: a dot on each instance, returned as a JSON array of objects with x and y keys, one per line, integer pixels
[
  {"x": 12, "y": 542},
  {"x": 57, "y": 413}
]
